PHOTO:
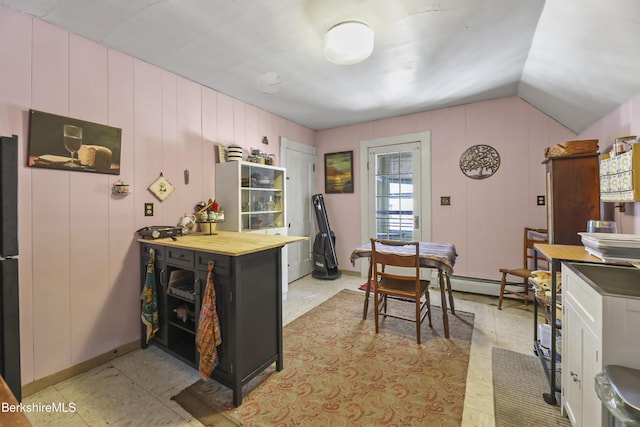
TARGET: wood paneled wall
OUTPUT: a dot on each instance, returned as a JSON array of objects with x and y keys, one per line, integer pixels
[
  {"x": 78, "y": 264},
  {"x": 486, "y": 217},
  {"x": 79, "y": 272}
]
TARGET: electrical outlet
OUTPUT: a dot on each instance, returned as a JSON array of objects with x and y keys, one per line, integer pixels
[
  {"x": 445, "y": 200},
  {"x": 148, "y": 209},
  {"x": 541, "y": 201}
]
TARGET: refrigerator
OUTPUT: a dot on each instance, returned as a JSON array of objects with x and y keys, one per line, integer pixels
[{"x": 9, "y": 306}]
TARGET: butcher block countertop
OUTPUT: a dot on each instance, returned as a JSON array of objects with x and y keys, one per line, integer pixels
[{"x": 226, "y": 242}]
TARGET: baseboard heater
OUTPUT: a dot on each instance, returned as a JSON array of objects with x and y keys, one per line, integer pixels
[{"x": 475, "y": 285}]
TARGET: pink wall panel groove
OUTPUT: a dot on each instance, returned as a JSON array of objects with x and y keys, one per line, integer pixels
[
  {"x": 170, "y": 150},
  {"x": 190, "y": 150},
  {"x": 147, "y": 116},
  {"x": 239, "y": 127},
  {"x": 89, "y": 214},
  {"x": 209, "y": 136},
  {"x": 225, "y": 120},
  {"x": 51, "y": 191},
  {"x": 253, "y": 138},
  {"x": 123, "y": 269}
]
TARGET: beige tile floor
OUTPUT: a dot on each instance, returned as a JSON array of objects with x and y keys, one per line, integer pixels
[{"x": 135, "y": 389}]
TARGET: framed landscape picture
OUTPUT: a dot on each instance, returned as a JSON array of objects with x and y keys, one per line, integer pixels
[
  {"x": 58, "y": 142},
  {"x": 338, "y": 172}
]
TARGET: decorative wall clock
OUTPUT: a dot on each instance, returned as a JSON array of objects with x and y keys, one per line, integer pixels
[
  {"x": 161, "y": 188},
  {"x": 479, "y": 161}
]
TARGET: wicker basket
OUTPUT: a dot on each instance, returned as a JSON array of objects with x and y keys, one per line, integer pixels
[{"x": 570, "y": 148}]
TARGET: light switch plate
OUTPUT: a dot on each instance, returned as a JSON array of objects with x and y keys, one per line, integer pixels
[
  {"x": 445, "y": 200},
  {"x": 541, "y": 201}
]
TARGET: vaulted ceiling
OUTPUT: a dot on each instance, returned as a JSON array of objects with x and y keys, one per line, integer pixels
[{"x": 575, "y": 60}]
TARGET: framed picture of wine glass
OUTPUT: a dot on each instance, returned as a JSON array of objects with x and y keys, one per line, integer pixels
[{"x": 58, "y": 142}]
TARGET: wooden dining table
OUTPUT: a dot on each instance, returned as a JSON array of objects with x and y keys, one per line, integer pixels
[{"x": 439, "y": 256}]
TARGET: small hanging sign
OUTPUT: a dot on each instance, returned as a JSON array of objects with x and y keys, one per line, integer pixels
[{"x": 161, "y": 188}]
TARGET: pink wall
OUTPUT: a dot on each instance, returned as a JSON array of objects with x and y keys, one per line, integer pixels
[
  {"x": 623, "y": 121},
  {"x": 79, "y": 272},
  {"x": 79, "y": 267},
  {"x": 486, "y": 217}
]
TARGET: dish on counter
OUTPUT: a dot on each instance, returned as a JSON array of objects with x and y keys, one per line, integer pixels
[{"x": 612, "y": 247}]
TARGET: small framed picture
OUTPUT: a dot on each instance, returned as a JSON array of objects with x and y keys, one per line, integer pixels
[
  {"x": 338, "y": 172},
  {"x": 161, "y": 188}
]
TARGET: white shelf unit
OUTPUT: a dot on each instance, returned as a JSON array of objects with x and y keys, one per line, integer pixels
[{"x": 252, "y": 196}]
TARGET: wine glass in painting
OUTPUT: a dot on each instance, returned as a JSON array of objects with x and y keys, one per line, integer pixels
[{"x": 72, "y": 139}]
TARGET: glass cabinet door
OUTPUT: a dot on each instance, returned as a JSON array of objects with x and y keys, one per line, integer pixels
[{"x": 262, "y": 197}]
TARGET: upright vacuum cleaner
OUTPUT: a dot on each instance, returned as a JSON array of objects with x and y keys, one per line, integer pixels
[{"x": 325, "y": 262}]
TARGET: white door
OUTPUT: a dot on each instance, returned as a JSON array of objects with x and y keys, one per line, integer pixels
[
  {"x": 299, "y": 161},
  {"x": 395, "y": 173},
  {"x": 395, "y": 192}
]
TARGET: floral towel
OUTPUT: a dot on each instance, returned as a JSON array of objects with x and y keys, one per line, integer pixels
[
  {"x": 149, "y": 297},
  {"x": 208, "y": 336}
]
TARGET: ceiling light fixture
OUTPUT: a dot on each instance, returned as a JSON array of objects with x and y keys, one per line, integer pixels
[{"x": 348, "y": 43}]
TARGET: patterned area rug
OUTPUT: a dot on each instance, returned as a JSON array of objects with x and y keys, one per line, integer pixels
[
  {"x": 518, "y": 384},
  {"x": 338, "y": 371}
]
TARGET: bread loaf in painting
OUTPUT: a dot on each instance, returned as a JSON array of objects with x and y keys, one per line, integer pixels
[{"x": 95, "y": 156}]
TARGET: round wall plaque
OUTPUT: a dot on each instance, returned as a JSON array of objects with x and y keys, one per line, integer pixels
[{"x": 479, "y": 161}]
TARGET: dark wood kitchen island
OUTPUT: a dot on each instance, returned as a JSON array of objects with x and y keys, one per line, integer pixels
[{"x": 248, "y": 284}]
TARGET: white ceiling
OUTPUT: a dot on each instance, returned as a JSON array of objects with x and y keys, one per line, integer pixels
[{"x": 575, "y": 60}]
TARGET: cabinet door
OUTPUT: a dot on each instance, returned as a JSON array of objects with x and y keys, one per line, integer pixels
[
  {"x": 573, "y": 191},
  {"x": 572, "y": 361},
  {"x": 591, "y": 366}
]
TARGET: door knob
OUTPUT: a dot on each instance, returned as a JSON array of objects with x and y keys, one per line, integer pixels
[{"x": 574, "y": 376}]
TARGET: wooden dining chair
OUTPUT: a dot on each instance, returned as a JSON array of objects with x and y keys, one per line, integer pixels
[
  {"x": 531, "y": 236},
  {"x": 405, "y": 287}
]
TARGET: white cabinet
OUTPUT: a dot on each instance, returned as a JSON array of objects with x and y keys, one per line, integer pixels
[
  {"x": 600, "y": 324},
  {"x": 253, "y": 198},
  {"x": 580, "y": 356}
]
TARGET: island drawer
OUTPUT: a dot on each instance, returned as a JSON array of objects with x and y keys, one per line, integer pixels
[
  {"x": 180, "y": 257},
  {"x": 222, "y": 263},
  {"x": 159, "y": 251}
]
